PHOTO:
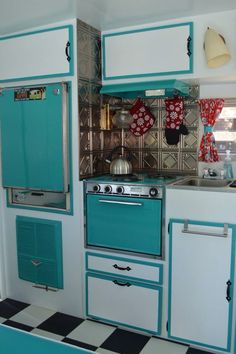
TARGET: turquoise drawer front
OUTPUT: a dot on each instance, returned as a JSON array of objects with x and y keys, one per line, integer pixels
[{"x": 131, "y": 224}]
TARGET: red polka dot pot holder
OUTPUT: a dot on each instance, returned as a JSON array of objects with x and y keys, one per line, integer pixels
[{"x": 143, "y": 119}]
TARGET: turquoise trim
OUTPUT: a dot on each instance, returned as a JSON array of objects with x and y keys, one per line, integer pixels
[
  {"x": 137, "y": 76},
  {"x": 50, "y": 210},
  {"x": 232, "y": 265},
  {"x": 160, "y": 266},
  {"x": 144, "y": 285},
  {"x": 137, "y": 89},
  {"x": 208, "y": 129},
  {"x": 191, "y": 48},
  {"x": 29, "y": 78},
  {"x": 71, "y": 63},
  {"x": 232, "y": 270},
  {"x": 46, "y": 210},
  {"x": 187, "y": 71}
]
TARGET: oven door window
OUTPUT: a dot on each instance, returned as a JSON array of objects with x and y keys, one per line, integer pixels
[{"x": 128, "y": 224}]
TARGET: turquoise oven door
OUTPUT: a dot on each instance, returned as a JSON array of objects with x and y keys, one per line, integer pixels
[{"x": 128, "y": 224}]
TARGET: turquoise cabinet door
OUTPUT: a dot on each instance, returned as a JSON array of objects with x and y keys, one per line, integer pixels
[
  {"x": 39, "y": 251},
  {"x": 131, "y": 224},
  {"x": 32, "y": 145}
]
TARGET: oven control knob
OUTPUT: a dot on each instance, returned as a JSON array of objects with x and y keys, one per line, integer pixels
[
  {"x": 96, "y": 188},
  {"x": 107, "y": 189},
  {"x": 153, "y": 192},
  {"x": 120, "y": 190}
]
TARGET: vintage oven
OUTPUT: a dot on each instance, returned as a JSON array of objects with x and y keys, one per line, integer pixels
[{"x": 126, "y": 214}]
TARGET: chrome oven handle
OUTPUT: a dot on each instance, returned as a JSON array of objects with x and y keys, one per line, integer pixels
[{"x": 119, "y": 202}]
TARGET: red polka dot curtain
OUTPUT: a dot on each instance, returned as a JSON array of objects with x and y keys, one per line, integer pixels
[{"x": 210, "y": 109}]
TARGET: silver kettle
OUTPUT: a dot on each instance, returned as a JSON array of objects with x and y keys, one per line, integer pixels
[{"x": 120, "y": 165}]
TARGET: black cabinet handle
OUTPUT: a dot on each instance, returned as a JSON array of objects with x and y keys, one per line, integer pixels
[
  {"x": 228, "y": 297},
  {"x": 67, "y": 51},
  {"x": 189, "y": 39},
  {"x": 120, "y": 268},
  {"x": 121, "y": 284}
]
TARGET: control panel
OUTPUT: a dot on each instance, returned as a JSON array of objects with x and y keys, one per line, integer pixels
[{"x": 147, "y": 191}]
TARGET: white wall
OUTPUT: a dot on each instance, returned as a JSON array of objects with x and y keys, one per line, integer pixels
[
  {"x": 69, "y": 299},
  {"x": 214, "y": 90}
]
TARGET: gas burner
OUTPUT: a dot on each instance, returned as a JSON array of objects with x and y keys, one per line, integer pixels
[
  {"x": 160, "y": 176},
  {"x": 125, "y": 178}
]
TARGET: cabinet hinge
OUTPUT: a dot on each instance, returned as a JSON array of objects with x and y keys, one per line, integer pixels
[
  {"x": 167, "y": 326},
  {"x": 169, "y": 228}
]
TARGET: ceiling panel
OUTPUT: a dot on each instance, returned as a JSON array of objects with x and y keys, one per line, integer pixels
[{"x": 17, "y": 15}]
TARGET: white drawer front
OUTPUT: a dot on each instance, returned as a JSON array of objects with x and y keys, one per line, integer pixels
[
  {"x": 125, "y": 267},
  {"x": 133, "y": 305}
]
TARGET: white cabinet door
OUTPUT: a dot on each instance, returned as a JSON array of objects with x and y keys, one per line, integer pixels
[
  {"x": 148, "y": 52},
  {"x": 38, "y": 54},
  {"x": 200, "y": 267},
  {"x": 124, "y": 302}
]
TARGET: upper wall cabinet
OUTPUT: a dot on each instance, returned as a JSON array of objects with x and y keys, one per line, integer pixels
[
  {"x": 165, "y": 50},
  {"x": 37, "y": 54}
]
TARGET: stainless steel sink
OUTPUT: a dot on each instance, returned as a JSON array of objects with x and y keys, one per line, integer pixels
[{"x": 201, "y": 182}]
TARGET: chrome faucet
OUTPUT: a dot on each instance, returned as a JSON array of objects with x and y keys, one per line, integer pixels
[{"x": 209, "y": 173}]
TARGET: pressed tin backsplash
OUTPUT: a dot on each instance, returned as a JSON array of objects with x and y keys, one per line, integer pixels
[{"x": 149, "y": 151}]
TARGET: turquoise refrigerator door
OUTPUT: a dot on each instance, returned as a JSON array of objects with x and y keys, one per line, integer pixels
[
  {"x": 122, "y": 223},
  {"x": 32, "y": 138}
]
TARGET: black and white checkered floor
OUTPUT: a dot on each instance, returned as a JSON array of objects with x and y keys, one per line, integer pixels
[{"x": 98, "y": 337}]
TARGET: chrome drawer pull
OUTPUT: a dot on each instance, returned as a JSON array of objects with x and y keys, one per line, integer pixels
[
  {"x": 121, "y": 284},
  {"x": 195, "y": 232},
  {"x": 36, "y": 263},
  {"x": 120, "y": 268},
  {"x": 118, "y": 202}
]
